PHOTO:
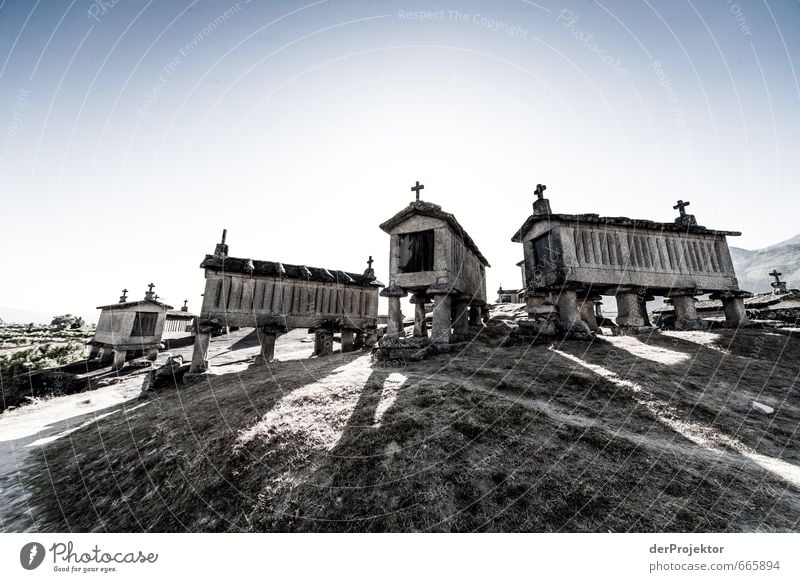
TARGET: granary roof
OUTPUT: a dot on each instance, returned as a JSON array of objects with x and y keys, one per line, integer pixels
[
  {"x": 757, "y": 301},
  {"x": 286, "y": 271},
  {"x": 423, "y": 208},
  {"x": 179, "y": 313},
  {"x": 635, "y": 223},
  {"x": 128, "y": 304}
]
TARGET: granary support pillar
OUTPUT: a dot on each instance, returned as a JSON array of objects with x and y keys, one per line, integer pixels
[
  {"x": 348, "y": 336},
  {"x": 106, "y": 355},
  {"x": 119, "y": 359},
  {"x": 475, "y": 315},
  {"x": 323, "y": 342},
  {"x": 420, "y": 325},
  {"x": 442, "y": 306},
  {"x": 200, "y": 352},
  {"x": 629, "y": 312},
  {"x": 152, "y": 354},
  {"x": 394, "y": 326},
  {"x": 94, "y": 351},
  {"x": 685, "y": 311},
  {"x": 569, "y": 316},
  {"x": 267, "y": 337},
  {"x": 587, "y": 311},
  {"x": 461, "y": 321},
  {"x": 733, "y": 305}
]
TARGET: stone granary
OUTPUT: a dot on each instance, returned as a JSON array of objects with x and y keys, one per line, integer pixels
[
  {"x": 573, "y": 259},
  {"x": 129, "y": 329},
  {"x": 179, "y": 323},
  {"x": 433, "y": 259},
  {"x": 277, "y": 297}
]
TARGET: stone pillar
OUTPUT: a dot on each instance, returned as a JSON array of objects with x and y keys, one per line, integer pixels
[
  {"x": 200, "y": 353},
  {"x": 394, "y": 327},
  {"x": 629, "y": 313},
  {"x": 94, "y": 351},
  {"x": 569, "y": 316},
  {"x": 106, "y": 355},
  {"x": 420, "y": 325},
  {"x": 735, "y": 312},
  {"x": 461, "y": 321},
  {"x": 323, "y": 342},
  {"x": 267, "y": 340},
  {"x": 152, "y": 354},
  {"x": 358, "y": 342},
  {"x": 475, "y": 315},
  {"x": 119, "y": 359},
  {"x": 733, "y": 305},
  {"x": 395, "y": 324},
  {"x": 684, "y": 307},
  {"x": 348, "y": 336},
  {"x": 587, "y": 311},
  {"x": 643, "y": 309},
  {"x": 440, "y": 332}
]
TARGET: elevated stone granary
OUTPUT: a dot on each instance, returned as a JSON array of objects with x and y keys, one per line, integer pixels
[
  {"x": 276, "y": 297},
  {"x": 128, "y": 328},
  {"x": 434, "y": 259},
  {"x": 179, "y": 323},
  {"x": 572, "y": 259}
]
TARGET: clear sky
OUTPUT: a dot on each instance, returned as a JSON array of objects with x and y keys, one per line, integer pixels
[{"x": 132, "y": 132}]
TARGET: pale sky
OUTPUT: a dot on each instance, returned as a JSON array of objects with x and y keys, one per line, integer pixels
[{"x": 132, "y": 133}]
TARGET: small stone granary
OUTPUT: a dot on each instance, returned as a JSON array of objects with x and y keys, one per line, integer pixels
[
  {"x": 128, "y": 329},
  {"x": 780, "y": 305},
  {"x": 573, "y": 259},
  {"x": 179, "y": 323},
  {"x": 433, "y": 259},
  {"x": 510, "y": 295},
  {"x": 277, "y": 297}
]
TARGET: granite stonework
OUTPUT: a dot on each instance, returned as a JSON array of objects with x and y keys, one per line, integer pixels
[
  {"x": 276, "y": 297},
  {"x": 571, "y": 257},
  {"x": 433, "y": 260},
  {"x": 129, "y": 329}
]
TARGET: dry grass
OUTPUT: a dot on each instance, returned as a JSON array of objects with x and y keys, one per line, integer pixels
[{"x": 645, "y": 434}]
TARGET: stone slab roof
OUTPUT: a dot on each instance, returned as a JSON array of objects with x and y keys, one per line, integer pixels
[
  {"x": 287, "y": 271},
  {"x": 423, "y": 208},
  {"x": 128, "y": 304},
  {"x": 635, "y": 223},
  {"x": 179, "y": 313},
  {"x": 758, "y": 301}
]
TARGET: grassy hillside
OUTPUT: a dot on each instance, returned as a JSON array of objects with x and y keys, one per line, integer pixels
[{"x": 621, "y": 434}]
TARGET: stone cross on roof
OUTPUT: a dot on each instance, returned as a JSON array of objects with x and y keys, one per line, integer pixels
[
  {"x": 150, "y": 287},
  {"x": 370, "y": 271},
  {"x": 540, "y": 188},
  {"x": 124, "y": 297},
  {"x": 681, "y": 207},
  {"x": 185, "y": 305},
  {"x": 417, "y": 188},
  {"x": 778, "y": 285},
  {"x": 149, "y": 294}
]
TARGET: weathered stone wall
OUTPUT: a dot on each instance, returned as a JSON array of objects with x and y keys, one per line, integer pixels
[
  {"x": 115, "y": 326},
  {"x": 454, "y": 263},
  {"x": 241, "y": 300},
  {"x": 605, "y": 257}
]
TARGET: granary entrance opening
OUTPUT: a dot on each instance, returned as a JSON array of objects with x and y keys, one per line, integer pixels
[
  {"x": 416, "y": 251},
  {"x": 144, "y": 324},
  {"x": 544, "y": 252}
]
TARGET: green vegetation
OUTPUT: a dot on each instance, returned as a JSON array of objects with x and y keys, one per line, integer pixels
[{"x": 35, "y": 358}]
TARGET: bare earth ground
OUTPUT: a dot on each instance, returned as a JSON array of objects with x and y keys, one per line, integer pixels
[{"x": 651, "y": 433}]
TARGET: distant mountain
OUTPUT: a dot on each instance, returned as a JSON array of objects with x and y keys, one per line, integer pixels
[{"x": 753, "y": 267}]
